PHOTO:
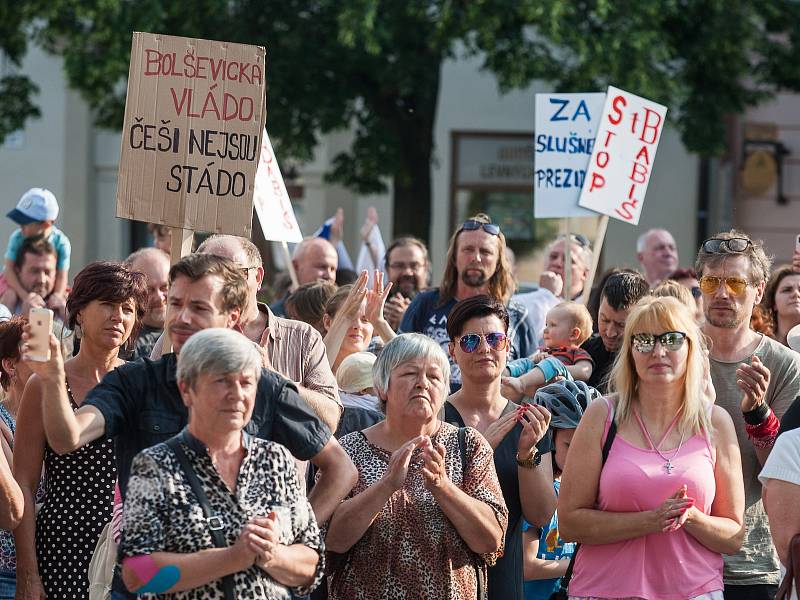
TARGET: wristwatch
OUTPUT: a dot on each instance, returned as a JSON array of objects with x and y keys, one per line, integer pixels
[{"x": 531, "y": 461}]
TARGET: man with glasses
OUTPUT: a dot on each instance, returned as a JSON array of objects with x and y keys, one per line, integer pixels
[
  {"x": 408, "y": 269},
  {"x": 756, "y": 379},
  {"x": 657, "y": 252},
  {"x": 476, "y": 265}
]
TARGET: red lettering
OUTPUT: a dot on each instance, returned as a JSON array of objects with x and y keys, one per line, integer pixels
[
  {"x": 616, "y": 103},
  {"x": 228, "y": 73},
  {"x": 630, "y": 192},
  {"x": 609, "y": 134},
  {"x": 179, "y": 107},
  {"x": 153, "y": 58},
  {"x": 242, "y": 75},
  {"x": 215, "y": 68},
  {"x": 638, "y": 173},
  {"x": 256, "y": 74},
  {"x": 625, "y": 210},
  {"x": 598, "y": 181},
  {"x": 634, "y": 120},
  {"x": 647, "y": 125},
  {"x": 645, "y": 153},
  {"x": 602, "y": 162}
]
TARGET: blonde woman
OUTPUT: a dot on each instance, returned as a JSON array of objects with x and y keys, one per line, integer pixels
[{"x": 654, "y": 521}]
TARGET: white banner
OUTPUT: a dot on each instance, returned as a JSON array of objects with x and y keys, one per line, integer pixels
[
  {"x": 271, "y": 200},
  {"x": 623, "y": 156},
  {"x": 566, "y": 127}
]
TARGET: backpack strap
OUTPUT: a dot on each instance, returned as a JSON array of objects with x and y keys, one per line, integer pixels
[
  {"x": 611, "y": 433},
  {"x": 215, "y": 522}
]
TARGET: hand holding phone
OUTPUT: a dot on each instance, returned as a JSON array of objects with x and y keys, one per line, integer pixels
[{"x": 41, "y": 324}]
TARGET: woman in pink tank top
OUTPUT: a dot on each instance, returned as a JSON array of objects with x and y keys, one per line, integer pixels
[{"x": 654, "y": 521}]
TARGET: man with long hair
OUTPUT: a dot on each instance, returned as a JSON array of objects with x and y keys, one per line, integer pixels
[{"x": 476, "y": 265}]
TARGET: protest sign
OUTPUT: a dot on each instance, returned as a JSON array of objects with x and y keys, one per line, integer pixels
[
  {"x": 271, "y": 200},
  {"x": 623, "y": 156},
  {"x": 566, "y": 126},
  {"x": 194, "y": 114}
]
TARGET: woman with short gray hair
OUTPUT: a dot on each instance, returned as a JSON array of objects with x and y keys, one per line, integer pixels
[
  {"x": 426, "y": 515},
  {"x": 214, "y": 512}
]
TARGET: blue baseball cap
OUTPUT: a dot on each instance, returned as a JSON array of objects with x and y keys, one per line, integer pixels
[{"x": 37, "y": 204}]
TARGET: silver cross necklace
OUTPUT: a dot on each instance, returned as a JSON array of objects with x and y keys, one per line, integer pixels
[{"x": 668, "y": 466}]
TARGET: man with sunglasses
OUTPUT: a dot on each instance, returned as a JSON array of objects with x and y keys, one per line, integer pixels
[
  {"x": 657, "y": 252},
  {"x": 476, "y": 265},
  {"x": 756, "y": 379}
]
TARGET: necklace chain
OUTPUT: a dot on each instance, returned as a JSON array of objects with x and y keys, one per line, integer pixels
[{"x": 668, "y": 466}]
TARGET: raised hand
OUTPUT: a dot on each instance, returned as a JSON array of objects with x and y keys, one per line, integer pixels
[
  {"x": 376, "y": 298},
  {"x": 512, "y": 388},
  {"x": 51, "y": 369},
  {"x": 495, "y": 433},
  {"x": 753, "y": 380},
  {"x": 433, "y": 469},
  {"x": 535, "y": 420},
  {"x": 397, "y": 470}
]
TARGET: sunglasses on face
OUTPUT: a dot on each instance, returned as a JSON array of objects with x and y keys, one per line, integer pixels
[
  {"x": 736, "y": 286},
  {"x": 471, "y": 341},
  {"x": 718, "y": 245},
  {"x": 472, "y": 225},
  {"x": 645, "y": 342}
]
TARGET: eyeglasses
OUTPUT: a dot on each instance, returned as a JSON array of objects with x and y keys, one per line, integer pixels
[
  {"x": 472, "y": 225},
  {"x": 718, "y": 245},
  {"x": 735, "y": 285},
  {"x": 247, "y": 270},
  {"x": 401, "y": 266},
  {"x": 696, "y": 292},
  {"x": 471, "y": 341},
  {"x": 646, "y": 342}
]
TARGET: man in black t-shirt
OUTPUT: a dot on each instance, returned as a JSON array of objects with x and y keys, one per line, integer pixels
[
  {"x": 139, "y": 404},
  {"x": 621, "y": 291}
]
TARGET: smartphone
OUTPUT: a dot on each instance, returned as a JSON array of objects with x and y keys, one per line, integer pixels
[
  {"x": 797, "y": 244},
  {"x": 41, "y": 322}
]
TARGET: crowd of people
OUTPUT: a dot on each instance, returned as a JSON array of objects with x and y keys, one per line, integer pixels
[{"x": 370, "y": 435}]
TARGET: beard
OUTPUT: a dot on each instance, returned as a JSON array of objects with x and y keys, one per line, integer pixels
[
  {"x": 727, "y": 320},
  {"x": 474, "y": 278},
  {"x": 406, "y": 286}
]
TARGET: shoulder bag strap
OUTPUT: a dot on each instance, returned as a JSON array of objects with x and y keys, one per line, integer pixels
[
  {"x": 462, "y": 449},
  {"x": 215, "y": 523},
  {"x": 564, "y": 585}
]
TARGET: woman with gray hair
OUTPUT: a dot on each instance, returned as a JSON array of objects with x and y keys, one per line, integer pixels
[
  {"x": 426, "y": 515},
  {"x": 214, "y": 512}
]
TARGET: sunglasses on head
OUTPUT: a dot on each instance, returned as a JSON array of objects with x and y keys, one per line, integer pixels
[
  {"x": 470, "y": 342},
  {"x": 719, "y": 245},
  {"x": 472, "y": 225},
  {"x": 735, "y": 285},
  {"x": 645, "y": 342}
]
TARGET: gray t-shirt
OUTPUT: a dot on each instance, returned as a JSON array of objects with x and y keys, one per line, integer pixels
[{"x": 756, "y": 562}]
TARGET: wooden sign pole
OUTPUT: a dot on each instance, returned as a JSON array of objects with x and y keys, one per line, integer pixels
[
  {"x": 180, "y": 246},
  {"x": 602, "y": 225},
  {"x": 289, "y": 265}
]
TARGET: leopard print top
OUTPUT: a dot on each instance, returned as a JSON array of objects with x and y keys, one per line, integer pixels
[
  {"x": 412, "y": 551},
  {"x": 162, "y": 513}
]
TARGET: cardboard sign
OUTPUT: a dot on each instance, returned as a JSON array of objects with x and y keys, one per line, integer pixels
[
  {"x": 194, "y": 115},
  {"x": 271, "y": 200},
  {"x": 566, "y": 127},
  {"x": 623, "y": 156}
]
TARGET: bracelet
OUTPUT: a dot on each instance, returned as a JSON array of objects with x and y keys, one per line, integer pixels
[
  {"x": 764, "y": 434},
  {"x": 758, "y": 415}
]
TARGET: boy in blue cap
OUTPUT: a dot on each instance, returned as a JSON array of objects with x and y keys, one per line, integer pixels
[{"x": 35, "y": 214}]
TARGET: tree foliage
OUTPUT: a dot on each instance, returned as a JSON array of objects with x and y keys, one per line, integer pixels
[
  {"x": 16, "y": 90},
  {"x": 374, "y": 65}
]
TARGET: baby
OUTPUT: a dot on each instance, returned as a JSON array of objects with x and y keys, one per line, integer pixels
[
  {"x": 35, "y": 214},
  {"x": 567, "y": 326}
]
